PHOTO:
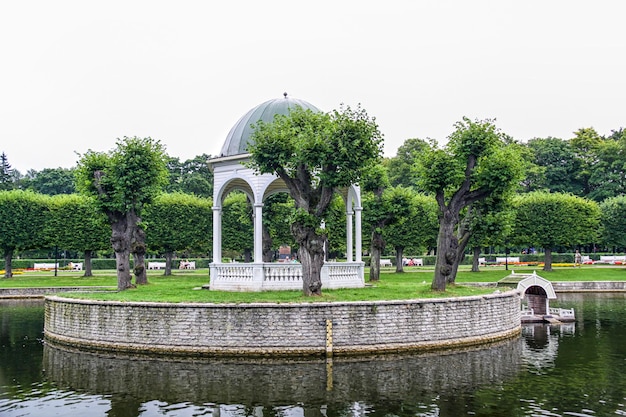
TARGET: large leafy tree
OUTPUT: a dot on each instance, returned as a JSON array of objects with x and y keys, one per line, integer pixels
[
  {"x": 548, "y": 220},
  {"x": 23, "y": 216},
  {"x": 417, "y": 230},
  {"x": 400, "y": 167},
  {"x": 123, "y": 181},
  {"x": 178, "y": 222},
  {"x": 192, "y": 176},
  {"x": 315, "y": 154},
  {"x": 50, "y": 181},
  {"x": 612, "y": 214},
  {"x": 586, "y": 144},
  {"x": 475, "y": 164},
  {"x": 558, "y": 166},
  {"x": 76, "y": 223}
]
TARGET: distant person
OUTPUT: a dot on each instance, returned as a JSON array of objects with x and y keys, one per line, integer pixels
[{"x": 577, "y": 258}]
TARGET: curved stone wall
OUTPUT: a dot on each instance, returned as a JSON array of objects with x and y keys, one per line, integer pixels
[{"x": 283, "y": 329}]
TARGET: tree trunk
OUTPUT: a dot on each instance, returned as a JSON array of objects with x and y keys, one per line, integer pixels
[
  {"x": 88, "y": 272},
  {"x": 138, "y": 249},
  {"x": 378, "y": 244},
  {"x": 399, "y": 255},
  {"x": 169, "y": 256},
  {"x": 8, "y": 256},
  {"x": 121, "y": 240},
  {"x": 547, "y": 260},
  {"x": 447, "y": 245},
  {"x": 267, "y": 245},
  {"x": 311, "y": 256},
  {"x": 247, "y": 255},
  {"x": 476, "y": 254}
]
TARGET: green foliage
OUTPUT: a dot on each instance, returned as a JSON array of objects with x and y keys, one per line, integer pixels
[
  {"x": 127, "y": 177},
  {"x": 237, "y": 226},
  {"x": 192, "y": 176},
  {"x": 75, "y": 223},
  {"x": 559, "y": 168},
  {"x": 50, "y": 181},
  {"x": 613, "y": 213},
  {"x": 548, "y": 220},
  {"x": 23, "y": 216},
  {"x": 400, "y": 166},
  {"x": 6, "y": 177},
  {"x": 418, "y": 229},
  {"x": 179, "y": 221}
]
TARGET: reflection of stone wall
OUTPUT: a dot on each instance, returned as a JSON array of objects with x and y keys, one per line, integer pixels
[
  {"x": 368, "y": 379},
  {"x": 294, "y": 329}
]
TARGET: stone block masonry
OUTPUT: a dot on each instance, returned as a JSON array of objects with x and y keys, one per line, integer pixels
[{"x": 264, "y": 329}]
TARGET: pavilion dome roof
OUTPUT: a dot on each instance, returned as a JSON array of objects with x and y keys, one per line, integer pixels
[{"x": 240, "y": 135}]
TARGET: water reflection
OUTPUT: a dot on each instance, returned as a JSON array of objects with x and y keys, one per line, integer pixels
[{"x": 316, "y": 386}]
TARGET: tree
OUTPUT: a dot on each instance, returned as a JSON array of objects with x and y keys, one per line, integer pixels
[
  {"x": 315, "y": 154},
  {"x": 6, "y": 173},
  {"x": 51, "y": 181},
  {"x": 416, "y": 231},
  {"x": 547, "y": 220},
  {"x": 559, "y": 166},
  {"x": 191, "y": 177},
  {"x": 237, "y": 225},
  {"x": 75, "y": 223},
  {"x": 385, "y": 206},
  {"x": 123, "y": 181},
  {"x": 612, "y": 214},
  {"x": 489, "y": 226},
  {"x": 399, "y": 167},
  {"x": 176, "y": 222},
  {"x": 585, "y": 145},
  {"x": 23, "y": 217},
  {"x": 476, "y": 164}
]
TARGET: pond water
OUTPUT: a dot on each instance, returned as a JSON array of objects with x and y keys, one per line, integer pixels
[{"x": 574, "y": 369}]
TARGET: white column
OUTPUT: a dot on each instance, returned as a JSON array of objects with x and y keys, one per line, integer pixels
[
  {"x": 258, "y": 232},
  {"x": 349, "y": 247},
  {"x": 357, "y": 225},
  {"x": 217, "y": 234}
]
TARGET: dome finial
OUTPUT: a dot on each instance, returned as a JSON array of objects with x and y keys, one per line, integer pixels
[{"x": 285, "y": 94}]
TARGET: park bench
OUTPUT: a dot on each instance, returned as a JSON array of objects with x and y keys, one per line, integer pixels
[
  {"x": 46, "y": 266},
  {"x": 509, "y": 260},
  {"x": 385, "y": 262},
  {"x": 482, "y": 261},
  {"x": 611, "y": 259},
  {"x": 156, "y": 265}
]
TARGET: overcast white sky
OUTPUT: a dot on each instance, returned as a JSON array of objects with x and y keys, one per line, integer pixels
[{"x": 76, "y": 75}]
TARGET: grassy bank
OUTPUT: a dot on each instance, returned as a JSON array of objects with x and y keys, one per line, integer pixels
[{"x": 184, "y": 286}]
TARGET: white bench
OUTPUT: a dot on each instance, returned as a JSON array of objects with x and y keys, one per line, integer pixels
[
  {"x": 509, "y": 260},
  {"x": 187, "y": 265},
  {"x": 611, "y": 259},
  {"x": 385, "y": 262},
  {"x": 46, "y": 265},
  {"x": 76, "y": 266},
  {"x": 482, "y": 262},
  {"x": 156, "y": 265}
]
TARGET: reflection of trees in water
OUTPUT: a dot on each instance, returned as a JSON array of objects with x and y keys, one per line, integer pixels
[{"x": 282, "y": 387}]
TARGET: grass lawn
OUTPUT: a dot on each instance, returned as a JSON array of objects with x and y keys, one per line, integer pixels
[{"x": 184, "y": 286}]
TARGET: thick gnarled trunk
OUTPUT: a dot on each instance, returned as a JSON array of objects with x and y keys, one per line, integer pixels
[
  {"x": 121, "y": 238},
  {"x": 138, "y": 249},
  {"x": 311, "y": 256}
]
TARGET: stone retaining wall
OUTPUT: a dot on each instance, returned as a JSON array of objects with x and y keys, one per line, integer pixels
[
  {"x": 283, "y": 329},
  {"x": 42, "y": 292}
]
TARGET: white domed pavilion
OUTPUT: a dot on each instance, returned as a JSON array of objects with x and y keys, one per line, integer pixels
[{"x": 231, "y": 173}]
